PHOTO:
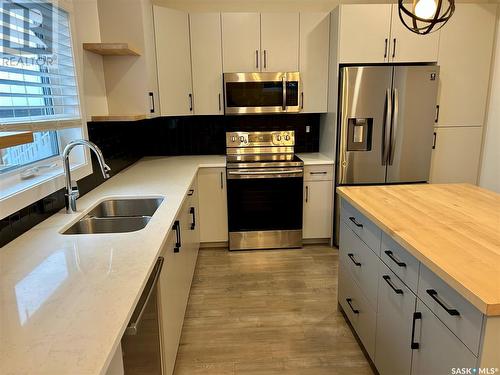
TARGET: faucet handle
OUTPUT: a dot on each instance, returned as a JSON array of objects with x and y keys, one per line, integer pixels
[
  {"x": 74, "y": 189},
  {"x": 107, "y": 169}
]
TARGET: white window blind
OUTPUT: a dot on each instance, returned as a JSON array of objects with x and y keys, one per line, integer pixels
[{"x": 38, "y": 89}]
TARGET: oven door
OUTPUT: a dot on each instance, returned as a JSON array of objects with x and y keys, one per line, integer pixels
[
  {"x": 261, "y": 93},
  {"x": 264, "y": 208}
]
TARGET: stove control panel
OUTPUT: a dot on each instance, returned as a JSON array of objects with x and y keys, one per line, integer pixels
[{"x": 260, "y": 139}]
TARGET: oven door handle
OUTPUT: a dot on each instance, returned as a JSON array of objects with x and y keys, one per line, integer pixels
[{"x": 264, "y": 174}]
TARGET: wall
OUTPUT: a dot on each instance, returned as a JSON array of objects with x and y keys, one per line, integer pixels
[{"x": 490, "y": 165}]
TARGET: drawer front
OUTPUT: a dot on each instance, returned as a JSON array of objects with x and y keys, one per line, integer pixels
[
  {"x": 363, "y": 227},
  {"x": 358, "y": 310},
  {"x": 439, "y": 350},
  {"x": 318, "y": 173},
  {"x": 361, "y": 262},
  {"x": 400, "y": 261},
  {"x": 396, "y": 305},
  {"x": 461, "y": 317}
]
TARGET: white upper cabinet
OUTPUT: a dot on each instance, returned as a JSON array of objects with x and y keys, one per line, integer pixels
[
  {"x": 373, "y": 33},
  {"x": 279, "y": 42},
  {"x": 241, "y": 42},
  {"x": 206, "y": 62},
  {"x": 313, "y": 61},
  {"x": 465, "y": 50},
  {"x": 364, "y": 33},
  {"x": 407, "y": 46},
  {"x": 174, "y": 61}
]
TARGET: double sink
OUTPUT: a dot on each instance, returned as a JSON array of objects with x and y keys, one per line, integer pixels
[{"x": 116, "y": 216}]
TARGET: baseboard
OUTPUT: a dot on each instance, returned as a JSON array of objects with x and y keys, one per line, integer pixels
[
  {"x": 315, "y": 241},
  {"x": 212, "y": 245}
]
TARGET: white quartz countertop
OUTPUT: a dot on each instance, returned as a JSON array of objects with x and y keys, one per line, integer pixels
[
  {"x": 314, "y": 158},
  {"x": 65, "y": 300}
]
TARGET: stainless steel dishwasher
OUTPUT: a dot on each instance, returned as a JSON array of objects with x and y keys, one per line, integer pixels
[{"x": 141, "y": 347}]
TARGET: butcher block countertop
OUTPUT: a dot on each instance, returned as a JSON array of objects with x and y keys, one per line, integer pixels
[{"x": 453, "y": 229}]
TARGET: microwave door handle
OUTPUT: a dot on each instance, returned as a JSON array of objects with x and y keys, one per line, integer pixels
[{"x": 284, "y": 93}]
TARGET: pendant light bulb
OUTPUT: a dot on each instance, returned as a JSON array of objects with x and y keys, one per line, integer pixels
[{"x": 425, "y": 8}]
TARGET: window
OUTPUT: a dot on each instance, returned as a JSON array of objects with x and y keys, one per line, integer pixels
[{"x": 38, "y": 89}]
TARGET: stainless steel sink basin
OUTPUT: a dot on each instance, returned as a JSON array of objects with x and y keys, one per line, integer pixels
[{"x": 117, "y": 216}]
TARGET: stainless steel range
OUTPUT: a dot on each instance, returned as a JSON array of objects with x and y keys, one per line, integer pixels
[{"x": 264, "y": 190}]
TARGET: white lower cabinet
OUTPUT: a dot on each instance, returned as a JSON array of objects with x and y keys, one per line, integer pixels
[
  {"x": 396, "y": 305},
  {"x": 180, "y": 253},
  {"x": 439, "y": 350},
  {"x": 406, "y": 333},
  {"x": 318, "y": 202},
  {"x": 212, "y": 196}
]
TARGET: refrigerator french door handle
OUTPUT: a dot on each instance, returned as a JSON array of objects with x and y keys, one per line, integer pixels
[
  {"x": 386, "y": 139},
  {"x": 394, "y": 125}
]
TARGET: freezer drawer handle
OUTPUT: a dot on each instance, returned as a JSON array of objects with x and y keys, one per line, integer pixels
[
  {"x": 353, "y": 219},
  {"x": 434, "y": 296},
  {"x": 416, "y": 316},
  {"x": 388, "y": 280},
  {"x": 390, "y": 254},
  {"x": 349, "y": 302},
  {"x": 351, "y": 257},
  {"x": 132, "y": 327},
  {"x": 193, "y": 223}
]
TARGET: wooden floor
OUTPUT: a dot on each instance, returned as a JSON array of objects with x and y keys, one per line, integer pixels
[{"x": 267, "y": 312}]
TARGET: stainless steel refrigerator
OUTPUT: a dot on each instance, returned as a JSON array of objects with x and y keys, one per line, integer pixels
[{"x": 385, "y": 132}]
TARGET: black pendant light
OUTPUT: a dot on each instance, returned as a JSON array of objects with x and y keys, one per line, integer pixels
[{"x": 425, "y": 16}]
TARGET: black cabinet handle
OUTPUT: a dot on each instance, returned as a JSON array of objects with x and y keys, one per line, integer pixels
[
  {"x": 152, "y": 97},
  {"x": 321, "y": 172},
  {"x": 221, "y": 181},
  {"x": 190, "y": 192},
  {"x": 190, "y": 102},
  {"x": 353, "y": 219},
  {"x": 349, "y": 300},
  {"x": 437, "y": 113},
  {"x": 390, "y": 254},
  {"x": 416, "y": 316},
  {"x": 307, "y": 193},
  {"x": 394, "y": 48},
  {"x": 387, "y": 279},
  {"x": 356, "y": 263},
  {"x": 177, "y": 228},
  {"x": 434, "y": 296},
  {"x": 385, "y": 48},
  {"x": 193, "y": 223},
  {"x": 434, "y": 141}
]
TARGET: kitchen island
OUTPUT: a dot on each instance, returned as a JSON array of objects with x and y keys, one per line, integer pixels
[{"x": 419, "y": 275}]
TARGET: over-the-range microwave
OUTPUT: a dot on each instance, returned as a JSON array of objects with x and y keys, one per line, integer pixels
[{"x": 264, "y": 92}]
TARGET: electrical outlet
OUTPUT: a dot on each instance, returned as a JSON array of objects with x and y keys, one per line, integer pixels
[{"x": 308, "y": 128}]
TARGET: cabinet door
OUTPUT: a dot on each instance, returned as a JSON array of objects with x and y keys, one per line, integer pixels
[
  {"x": 364, "y": 33},
  {"x": 406, "y": 46},
  {"x": 439, "y": 349},
  {"x": 241, "y": 42},
  {"x": 171, "y": 304},
  {"x": 212, "y": 197},
  {"x": 318, "y": 210},
  {"x": 464, "y": 77},
  {"x": 206, "y": 62},
  {"x": 396, "y": 305},
  {"x": 455, "y": 157},
  {"x": 313, "y": 61},
  {"x": 279, "y": 42},
  {"x": 174, "y": 61}
]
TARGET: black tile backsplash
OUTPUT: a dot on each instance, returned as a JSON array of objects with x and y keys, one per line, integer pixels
[{"x": 123, "y": 143}]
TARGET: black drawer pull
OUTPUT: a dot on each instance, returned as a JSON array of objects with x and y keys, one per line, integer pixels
[
  {"x": 387, "y": 279},
  {"x": 434, "y": 296},
  {"x": 193, "y": 223},
  {"x": 177, "y": 228},
  {"x": 353, "y": 219},
  {"x": 356, "y": 263},
  {"x": 322, "y": 172},
  {"x": 349, "y": 300},
  {"x": 390, "y": 254},
  {"x": 416, "y": 316}
]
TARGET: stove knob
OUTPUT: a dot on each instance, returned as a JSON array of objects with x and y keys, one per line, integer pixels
[
  {"x": 278, "y": 137},
  {"x": 242, "y": 139},
  {"x": 287, "y": 137},
  {"x": 233, "y": 139}
]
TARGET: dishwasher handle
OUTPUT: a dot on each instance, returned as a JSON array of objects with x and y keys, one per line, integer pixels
[{"x": 133, "y": 326}]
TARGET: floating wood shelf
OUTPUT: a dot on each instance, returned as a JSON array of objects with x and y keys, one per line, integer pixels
[
  {"x": 111, "y": 49},
  {"x": 9, "y": 139},
  {"x": 118, "y": 118}
]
